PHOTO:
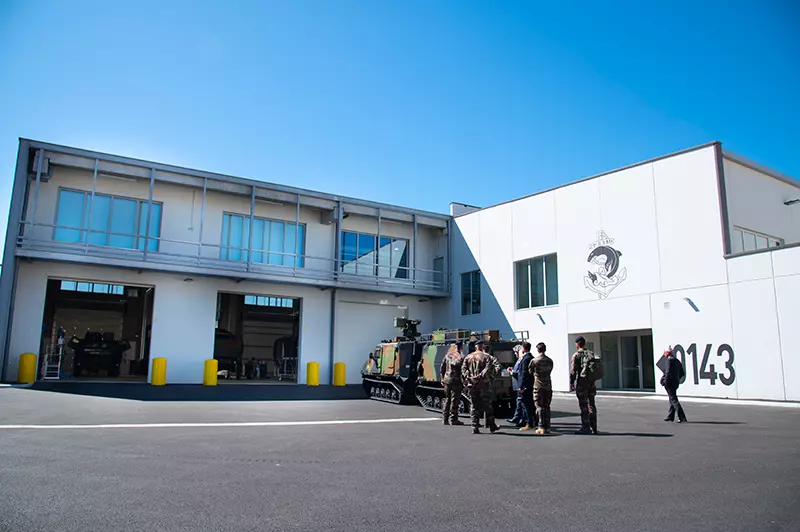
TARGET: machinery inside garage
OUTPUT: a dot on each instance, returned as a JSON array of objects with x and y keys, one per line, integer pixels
[
  {"x": 95, "y": 330},
  {"x": 256, "y": 339}
]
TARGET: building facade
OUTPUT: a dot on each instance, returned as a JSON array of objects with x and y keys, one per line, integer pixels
[{"x": 696, "y": 250}]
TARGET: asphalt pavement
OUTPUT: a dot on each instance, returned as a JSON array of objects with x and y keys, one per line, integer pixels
[{"x": 367, "y": 466}]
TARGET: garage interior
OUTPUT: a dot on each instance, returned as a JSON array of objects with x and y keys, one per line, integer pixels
[
  {"x": 95, "y": 331},
  {"x": 256, "y": 338}
]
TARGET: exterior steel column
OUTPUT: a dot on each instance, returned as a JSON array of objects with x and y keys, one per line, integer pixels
[
  {"x": 297, "y": 235},
  {"x": 448, "y": 283},
  {"x": 377, "y": 268},
  {"x": 202, "y": 215},
  {"x": 149, "y": 211},
  {"x": 250, "y": 239},
  {"x": 337, "y": 245},
  {"x": 39, "y": 162},
  {"x": 414, "y": 253},
  {"x": 91, "y": 204},
  {"x": 331, "y": 356},
  {"x": 8, "y": 280}
]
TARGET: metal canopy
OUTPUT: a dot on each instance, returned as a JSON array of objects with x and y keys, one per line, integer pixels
[{"x": 115, "y": 165}]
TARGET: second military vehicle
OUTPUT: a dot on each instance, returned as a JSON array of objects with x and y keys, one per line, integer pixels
[
  {"x": 430, "y": 391},
  {"x": 405, "y": 369}
]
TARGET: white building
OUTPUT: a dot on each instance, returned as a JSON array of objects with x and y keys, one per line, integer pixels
[{"x": 695, "y": 249}]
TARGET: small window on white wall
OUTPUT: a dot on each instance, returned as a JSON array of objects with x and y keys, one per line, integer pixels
[
  {"x": 746, "y": 240},
  {"x": 471, "y": 293}
]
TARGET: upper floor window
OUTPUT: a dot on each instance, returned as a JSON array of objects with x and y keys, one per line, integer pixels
[
  {"x": 745, "y": 240},
  {"x": 537, "y": 281},
  {"x": 95, "y": 288},
  {"x": 267, "y": 301},
  {"x": 274, "y": 242},
  {"x": 111, "y": 221},
  {"x": 360, "y": 254},
  {"x": 471, "y": 293}
]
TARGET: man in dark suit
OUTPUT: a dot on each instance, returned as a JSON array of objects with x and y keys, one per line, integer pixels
[{"x": 670, "y": 381}]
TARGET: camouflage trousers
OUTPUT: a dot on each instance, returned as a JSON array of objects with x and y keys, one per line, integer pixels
[
  {"x": 452, "y": 401},
  {"x": 543, "y": 399},
  {"x": 586, "y": 391},
  {"x": 481, "y": 405}
]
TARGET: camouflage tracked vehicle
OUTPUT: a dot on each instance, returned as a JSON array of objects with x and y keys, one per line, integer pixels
[
  {"x": 430, "y": 392},
  {"x": 390, "y": 373}
]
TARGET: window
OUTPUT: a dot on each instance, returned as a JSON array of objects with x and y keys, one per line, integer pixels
[
  {"x": 266, "y": 301},
  {"x": 745, "y": 240},
  {"x": 97, "y": 288},
  {"x": 361, "y": 255},
  {"x": 471, "y": 293},
  {"x": 111, "y": 221},
  {"x": 274, "y": 242},
  {"x": 537, "y": 282}
]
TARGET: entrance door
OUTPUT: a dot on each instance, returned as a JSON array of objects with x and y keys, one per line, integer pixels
[
  {"x": 631, "y": 363},
  {"x": 609, "y": 350}
]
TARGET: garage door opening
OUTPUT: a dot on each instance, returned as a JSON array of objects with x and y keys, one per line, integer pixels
[
  {"x": 256, "y": 338},
  {"x": 96, "y": 331}
]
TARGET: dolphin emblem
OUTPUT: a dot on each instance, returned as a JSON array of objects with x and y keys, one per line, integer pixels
[{"x": 606, "y": 257}]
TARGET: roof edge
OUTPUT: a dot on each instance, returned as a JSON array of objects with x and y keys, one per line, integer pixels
[
  {"x": 595, "y": 176},
  {"x": 122, "y": 159},
  {"x": 758, "y": 167}
]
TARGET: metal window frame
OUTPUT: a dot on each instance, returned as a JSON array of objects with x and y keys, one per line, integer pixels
[
  {"x": 375, "y": 250},
  {"x": 87, "y": 228},
  {"x": 265, "y": 238},
  {"x": 528, "y": 266},
  {"x": 471, "y": 274}
]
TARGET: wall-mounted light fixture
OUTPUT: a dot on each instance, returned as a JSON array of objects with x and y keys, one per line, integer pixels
[
  {"x": 792, "y": 201},
  {"x": 691, "y": 304}
]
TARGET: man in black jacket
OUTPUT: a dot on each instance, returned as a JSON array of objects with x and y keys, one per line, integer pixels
[
  {"x": 670, "y": 381},
  {"x": 526, "y": 387}
]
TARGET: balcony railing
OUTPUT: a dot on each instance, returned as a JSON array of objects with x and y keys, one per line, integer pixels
[{"x": 322, "y": 270}]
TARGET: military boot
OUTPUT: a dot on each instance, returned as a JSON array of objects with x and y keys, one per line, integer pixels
[
  {"x": 445, "y": 421},
  {"x": 456, "y": 421},
  {"x": 493, "y": 428},
  {"x": 584, "y": 430},
  {"x": 476, "y": 430}
]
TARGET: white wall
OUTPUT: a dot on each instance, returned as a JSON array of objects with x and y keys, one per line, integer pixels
[
  {"x": 755, "y": 202},
  {"x": 665, "y": 219},
  {"x": 184, "y": 316},
  {"x": 365, "y": 319}
]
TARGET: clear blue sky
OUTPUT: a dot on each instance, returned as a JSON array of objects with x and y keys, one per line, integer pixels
[{"x": 412, "y": 102}]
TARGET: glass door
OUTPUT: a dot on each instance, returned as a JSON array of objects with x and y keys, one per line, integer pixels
[
  {"x": 609, "y": 350},
  {"x": 630, "y": 358}
]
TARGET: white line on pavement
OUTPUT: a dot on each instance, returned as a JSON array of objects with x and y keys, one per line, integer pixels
[{"x": 231, "y": 424}]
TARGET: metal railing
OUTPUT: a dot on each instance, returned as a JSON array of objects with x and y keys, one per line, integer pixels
[{"x": 209, "y": 256}]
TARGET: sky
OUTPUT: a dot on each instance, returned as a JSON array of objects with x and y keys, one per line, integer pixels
[{"x": 416, "y": 103}]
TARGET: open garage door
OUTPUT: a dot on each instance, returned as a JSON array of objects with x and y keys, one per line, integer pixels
[{"x": 359, "y": 328}]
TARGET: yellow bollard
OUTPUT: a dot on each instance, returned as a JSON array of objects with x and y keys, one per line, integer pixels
[
  {"x": 159, "y": 377},
  {"x": 312, "y": 374},
  {"x": 339, "y": 373},
  {"x": 27, "y": 368},
  {"x": 210, "y": 372}
]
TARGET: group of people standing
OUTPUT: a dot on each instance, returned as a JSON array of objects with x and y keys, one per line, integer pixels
[
  {"x": 531, "y": 380},
  {"x": 477, "y": 371}
]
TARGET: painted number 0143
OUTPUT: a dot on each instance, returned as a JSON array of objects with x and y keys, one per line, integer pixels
[{"x": 707, "y": 371}]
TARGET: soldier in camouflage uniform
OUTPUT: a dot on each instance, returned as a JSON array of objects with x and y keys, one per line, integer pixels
[
  {"x": 450, "y": 370},
  {"x": 478, "y": 372},
  {"x": 541, "y": 367},
  {"x": 584, "y": 389}
]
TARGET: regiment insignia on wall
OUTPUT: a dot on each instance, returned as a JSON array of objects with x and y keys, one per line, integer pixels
[{"x": 605, "y": 275}]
